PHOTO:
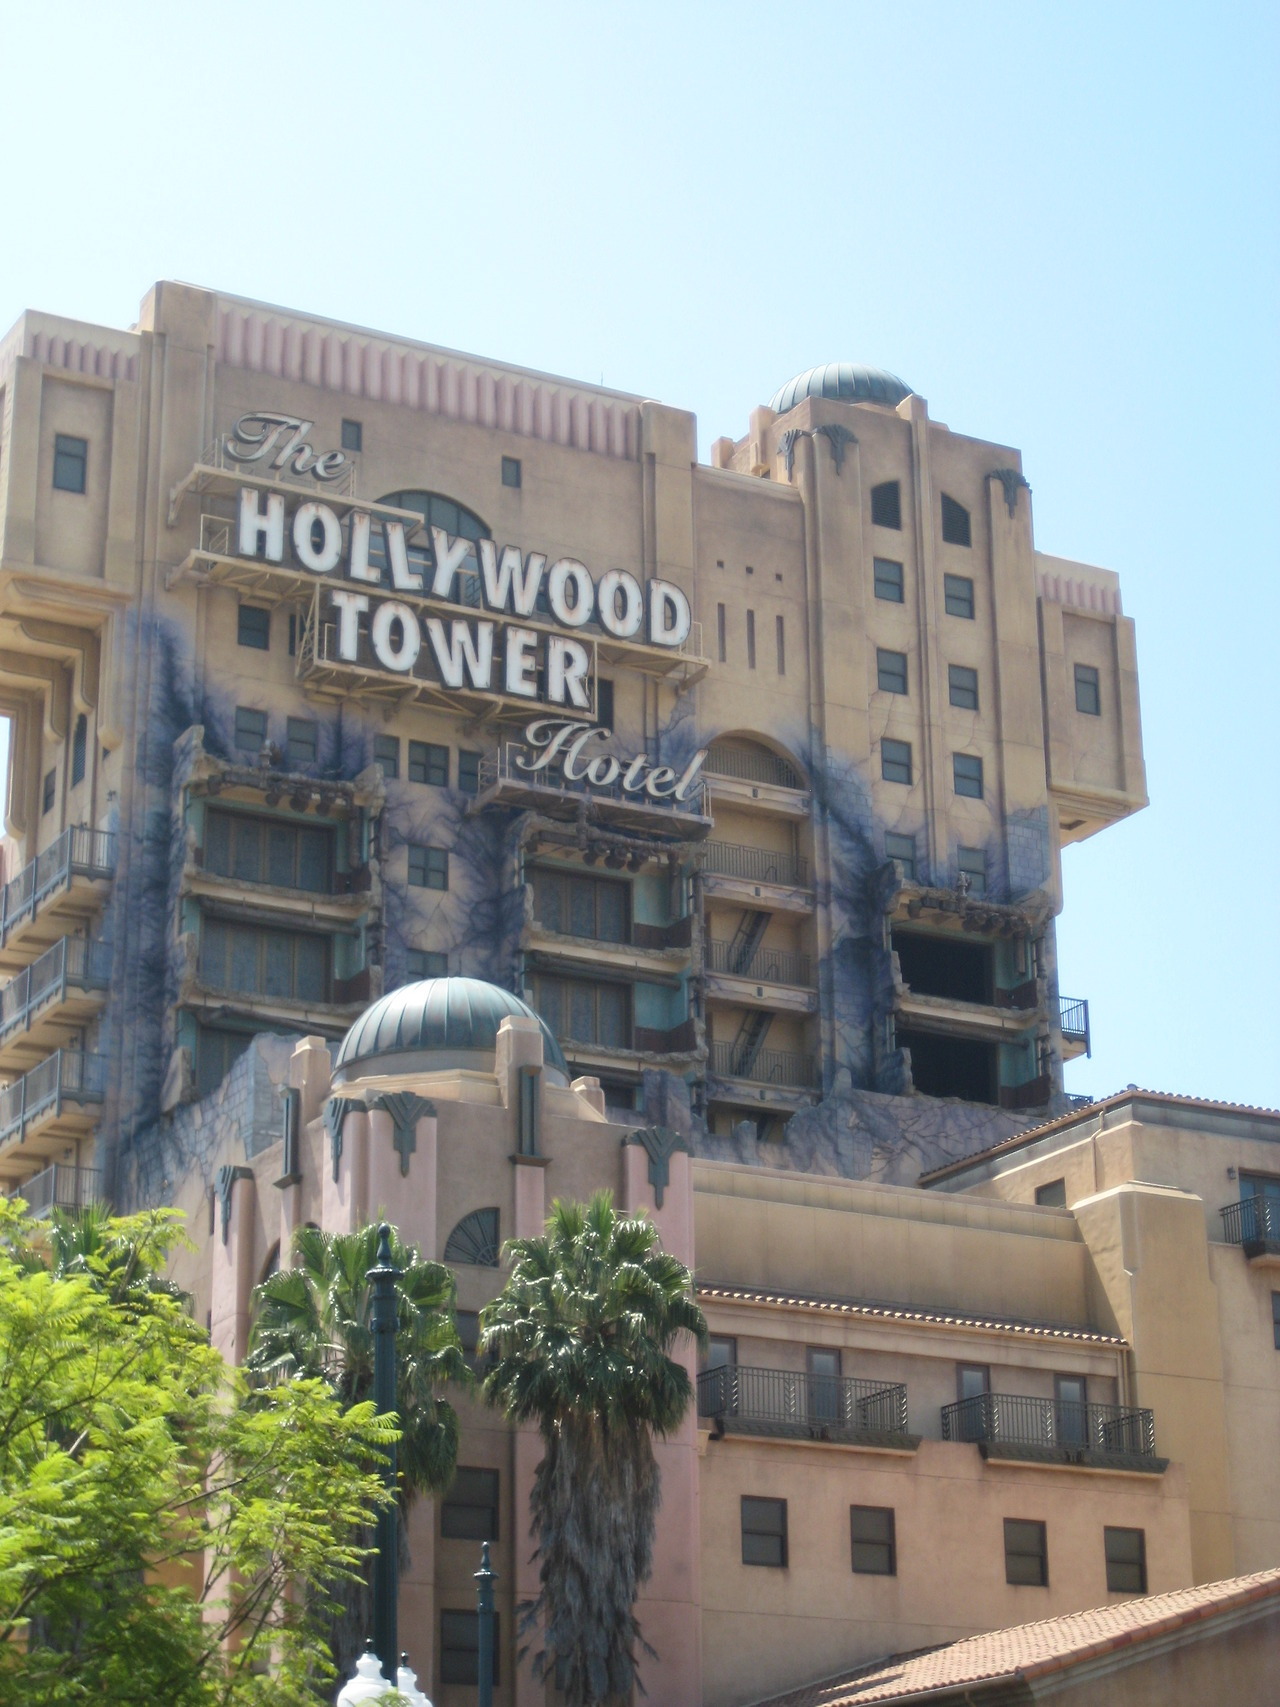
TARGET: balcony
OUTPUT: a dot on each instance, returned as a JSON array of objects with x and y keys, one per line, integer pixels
[
  {"x": 58, "y": 993},
  {"x": 786, "y": 1405},
  {"x": 64, "y": 883},
  {"x": 764, "y": 966},
  {"x": 1073, "y": 1023},
  {"x": 60, "y": 1187},
  {"x": 51, "y": 1105},
  {"x": 759, "y": 766},
  {"x": 1055, "y": 1431},
  {"x": 1254, "y": 1225},
  {"x": 755, "y": 865},
  {"x": 782, "y": 1068}
]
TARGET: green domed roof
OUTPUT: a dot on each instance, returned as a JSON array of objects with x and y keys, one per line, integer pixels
[
  {"x": 437, "y": 1023},
  {"x": 843, "y": 382}
]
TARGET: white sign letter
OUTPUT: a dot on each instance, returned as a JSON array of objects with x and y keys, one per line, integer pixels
[
  {"x": 360, "y": 529},
  {"x": 521, "y": 662},
  {"x": 349, "y": 607},
  {"x": 572, "y": 612},
  {"x": 617, "y": 588},
  {"x": 567, "y": 666},
  {"x": 462, "y": 651},
  {"x": 308, "y": 517},
  {"x": 392, "y": 657},
  {"x": 254, "y": 526},
  {"x": 502, "y": 574},
  {"x": 669, "y": 615},
  {"x": 408, "y": 580},
  {"x": 451, "y": 554}
]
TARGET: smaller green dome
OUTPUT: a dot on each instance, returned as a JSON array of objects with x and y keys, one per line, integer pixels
[
  {"x": 843, "y": 382},
  {"x": 435, "y": 1024}
]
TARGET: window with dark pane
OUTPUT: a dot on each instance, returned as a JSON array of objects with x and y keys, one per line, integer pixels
[
  {"x": 386, "y": 752},
  {"x": 874, "y": 1547},
  {"x": 460, "y": 1647},
  {"x": 217, "y": 1052},
  {"x": 973, "y": 863},
  {"x": 253, "y": 627},
  {"x": 585, "y": 1011},
  {"x": 265, "y": 850},
  {"x": 352, "y": 435},
  {"x": 293, "y": 637},
  {"x": 469, "y": 1511},
  {"x": 475, "y": 1240},
  {"x": 886, "y": 505},
  {"x": 1275, "y": 1319},
  {"x": 511, "y": 471},
  {"x": 764, "y": 1531},
  {"x": 426, "y": 963},
  {"x": 468, "y": 771},
  {"x": 780, "y": 637},
  {"x": 1126, "y": 1554},
  {"x": 955, "y": 523},
  {"x": 303, "y": 737},
  {"x": 604, "y": 702},
  {"x": 436, "y": 511},
  {"x": 250, "y": 729},
  {"x": 429, "y": 763},
  {"x": 48, "y": 791},
  {"x": 428, "y": 867},
  {"x": 1052, "y": 1195},
  {"x": 888, "y": 580},
  {"x": 79, "y": 749},
  {"x": 573, "y": 905},
  {"x": 903, "y": 849},
  {"x": 1088, "y": 690},
  {"x": 1026, "y": 1553},
  {"x": 957, "y": 595},
  {"x": 891, "y": 671},
  {"x": 895, "y": 761},
  {"x": 962, "y": 684},
  {"x": 70, "y": 463},
  {"x": 967, "y": 774},
  {"x": 253, "y": 961}
]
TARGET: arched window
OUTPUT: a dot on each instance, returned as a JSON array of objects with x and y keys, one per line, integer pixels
[
  {"x": 955, "y": 522},
  {"x": 751, "y": 761},
  {"x": 475, "y": 1239},
  {"x": 272, "y": 1264},
  {"x": 437, "y": 511},
  {"x": 79, "y": 749}
]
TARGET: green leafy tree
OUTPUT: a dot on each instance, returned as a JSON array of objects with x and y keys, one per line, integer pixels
[
  {"x": 161, "y": 1539},
  {"x": 581, "y": 1337},
  {"x": 314, "y": 1320}
]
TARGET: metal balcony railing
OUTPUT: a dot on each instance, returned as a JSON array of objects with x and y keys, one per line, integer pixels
[
  {"x": 752, "y": 767},
  {"x": 1073, "y": 1020},
  {"x": 765, "y": 965},
  {"x": 60, "y": 1187},
  {"x": 765, "y": 1067},
  {"x": 757, "y": 865},
  {"x": 807, "y": 1407},
  {"x": 68, "y": 1075},
  {"x": 1018, "y": 1425},
  {"x": 78, "y": 852},
  {"x": 74, "y": 963},
  {"x": 1254, "y": 1223}
]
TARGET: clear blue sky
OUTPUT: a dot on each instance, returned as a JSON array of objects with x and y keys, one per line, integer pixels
[{"x": 1056, "y": 222}]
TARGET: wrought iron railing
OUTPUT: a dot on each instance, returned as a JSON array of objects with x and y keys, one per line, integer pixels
[
  {"x": 73, "y": 963},
  {"x": 78, "y": 852},
  {"x": 1051, "y": 1426},
  {"x": 1073, "y": 1020},
  {"x": 757, "y": 865},
  {"x": 1253, "y": 1222},
  {"x": 764, "y": 1066},
  {"x": 60, "y": 1186},
  {"x": 766, "y": 965},
  {"x": 68, "y": 1075},
  {"x": 752, "y": 767},
  {"x": 786, "y": 1402}
]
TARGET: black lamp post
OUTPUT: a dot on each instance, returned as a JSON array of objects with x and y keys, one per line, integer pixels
[
  {"x": 486, "y": 1576},
  {"x": 386, "y": 1564}
]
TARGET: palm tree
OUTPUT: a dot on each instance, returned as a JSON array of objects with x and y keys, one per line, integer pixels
[
  {"x": 124, "y": 1255},
  {"x": 314, "y": 1320},
  {"x": 580, "y": 1339}
]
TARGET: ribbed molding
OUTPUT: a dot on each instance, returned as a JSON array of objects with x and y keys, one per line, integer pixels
[
  {"x": 1098, "y": 590},
  {"x": 98, "y": 351},
  {"x": 437, "y": 382}
]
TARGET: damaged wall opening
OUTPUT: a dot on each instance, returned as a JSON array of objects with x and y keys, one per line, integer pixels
[
  {"x": 943, "y": 966},
  {"x": 952, "y": 1066}
]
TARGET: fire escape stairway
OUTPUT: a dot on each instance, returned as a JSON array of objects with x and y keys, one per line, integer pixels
[
  {"x": 746, "y": 940},
  {"x": 749, "y": 1042}
]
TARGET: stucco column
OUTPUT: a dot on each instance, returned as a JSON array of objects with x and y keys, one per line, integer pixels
[
  {"x": 401, "y": 1167},
  {"x": 233, "y": 1277},
  {"x": 345, "y": 1194},
  {"x": 529, "y": 1216}
]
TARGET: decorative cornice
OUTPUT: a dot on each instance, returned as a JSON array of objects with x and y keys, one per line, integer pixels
[
  {"x": 224, "y": 1181},
  {"x": 838, "y": 436},
  {"x": 1011, "y": 479},
  {"x": 335, "y": 1112},
  {"x": 406, "y": 1109},
  {"x": 660, "y": 1143}
]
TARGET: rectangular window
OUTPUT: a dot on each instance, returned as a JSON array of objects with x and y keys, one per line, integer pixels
[
  {"x": 216, "y": 1054},
  {"x": 48, "y": 792},
  {"x": 871, "y": 1529},
  {"x": 245, "y": 959},
  {"x": 886, "y": 505},
  {"x": 253, "y": 627},
  {"x": 79, "y": 749},
  {"x": 722, "y": 1352},
  {"x": 1026, "y": 1553},
  {"x": 293, "y": 637},
  {"x": 585, "y": 1011},
  {"x": 429, "y": 763},
  {"x": 1052, "y": 1195},
  {"x": 511, "y": 471},
  {"x": 1275, "y": 1319},
  {"x": 780, "y": 631},
  {"x": 1088, "y": 692},
  {"x": 721, "y": 652},
  {"x": 751, "y": 640},
  {"x": 264, "y": 850},
  {"x": 428, "y": 868},
  {"x": 967, "y": 771},
  {"x": 604, "y": 702},
  {"x": 251, "y": 729},
  {"x": 955, "y": 523},
  {"x": 468, "y": 771},
  {"x": 903, "y": 849},
  {"x": 460, "y": 1647},
  {"x": 469, "y": 1511},
  {"x": 895, "y": 761},
  {"x": 962, "y": 684},
  {"x": 352, "y": 435},
  {"x": 764, "y": 1531},
  {"x": 303, "y": 737},
  {"x": 70, "y": 463},
  {"x": 891, "y": 671},
  {"x": 972, "y": 1380},
  {"x": 888, "y": 580},
  {"x": 973, "y": 863},
  {"x": 1126, "y": 1552},
  {"x": 426, "y": 963},
  {"x": 957, "y": 595},
  {"x": 386, "y": 752},
  {"x": 594, "y": 907}
]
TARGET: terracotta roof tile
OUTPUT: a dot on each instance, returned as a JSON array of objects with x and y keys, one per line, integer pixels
[{"x": 1027, "y": 1651}]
